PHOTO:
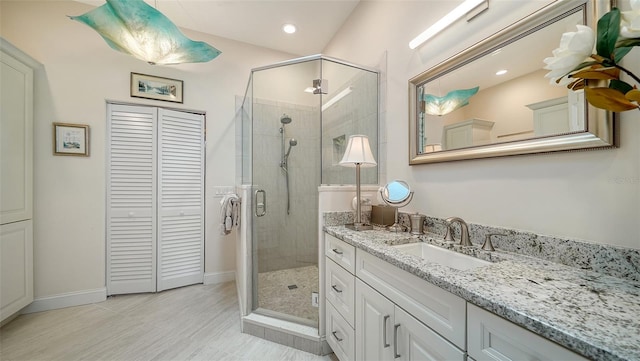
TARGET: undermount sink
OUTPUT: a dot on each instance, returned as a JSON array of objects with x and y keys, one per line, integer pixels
[{"x": 442, "y": 256}]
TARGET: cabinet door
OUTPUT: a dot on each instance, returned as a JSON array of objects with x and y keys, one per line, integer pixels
[
  {"x": 374, "y": 324},
  {"x": 131, "y": 199},
  {"x": 492, "y": 338},
  {"x": 441, "y": 310},
  {"x": 16, "y": 139},
  {"x": 416, "y": 341},
  {"x": 180, "y": 199},
  {"x": 16, "y": 267},
  {"x": 459, "y": 137}
]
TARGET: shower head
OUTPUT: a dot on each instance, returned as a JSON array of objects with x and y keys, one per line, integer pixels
[
  {"x": 285, "y": 119},
  {"x": 292, "y": 143}
]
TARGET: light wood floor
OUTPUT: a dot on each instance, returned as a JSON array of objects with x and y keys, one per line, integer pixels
[{"x": 190, "y": 323}]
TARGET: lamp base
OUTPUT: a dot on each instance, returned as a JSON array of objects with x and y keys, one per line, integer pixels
[{"x": 359, "y": 226}]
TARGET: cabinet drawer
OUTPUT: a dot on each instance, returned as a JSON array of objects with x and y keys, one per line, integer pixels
[
  {"x": 442, "y": 311},
  {"x": 340, "y": 290},
  {"x": 340, "y": 335},
  {"x": 340, "y": 252},
  {"x": 491, "y": 337}
]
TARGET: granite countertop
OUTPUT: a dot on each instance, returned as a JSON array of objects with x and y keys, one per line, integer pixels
[{"x": 595, "y": 315}]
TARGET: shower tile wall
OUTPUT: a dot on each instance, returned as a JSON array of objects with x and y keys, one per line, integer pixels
[
  {"x": 356, "y": 113},
  {"x": 286, "y": 241}
]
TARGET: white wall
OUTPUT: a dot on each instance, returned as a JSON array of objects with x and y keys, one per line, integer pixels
[
  {"x": 81, "y": 74},
  {"x": 591, "y": 195}
]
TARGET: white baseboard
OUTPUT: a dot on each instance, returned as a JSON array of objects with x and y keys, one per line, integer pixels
[
  {"x": 219, "y": 277},
  {"x": 100, "y": 294},
  {"x": 67, "y": 300}
]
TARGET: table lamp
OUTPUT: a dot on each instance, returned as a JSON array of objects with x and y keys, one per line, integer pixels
[{"x": 358, "y": 154}]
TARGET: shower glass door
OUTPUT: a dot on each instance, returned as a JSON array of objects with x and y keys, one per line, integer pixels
[{"x": 285, "y": 172}]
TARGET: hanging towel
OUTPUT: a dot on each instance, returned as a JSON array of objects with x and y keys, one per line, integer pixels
[{"x": 230, "y": 213}]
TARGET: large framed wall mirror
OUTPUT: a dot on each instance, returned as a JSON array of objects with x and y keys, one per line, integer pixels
[{"x": 518, "y": 112}]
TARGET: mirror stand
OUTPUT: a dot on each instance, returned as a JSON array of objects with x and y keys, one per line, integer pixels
[{"x": 396, "y": 194}]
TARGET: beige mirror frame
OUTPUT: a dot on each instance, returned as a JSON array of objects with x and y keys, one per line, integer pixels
[{"x": 601, "y": 126}]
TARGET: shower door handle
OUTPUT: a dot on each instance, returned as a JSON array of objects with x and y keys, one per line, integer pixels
[{"x": 261, "y": 203}]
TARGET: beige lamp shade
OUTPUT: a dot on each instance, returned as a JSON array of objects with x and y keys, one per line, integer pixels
[{"x": 358, "y": 152}]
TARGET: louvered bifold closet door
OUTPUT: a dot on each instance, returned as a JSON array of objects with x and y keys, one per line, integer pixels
[
  {"x": 180, "y": 199},
  {"x": 131, "y": 199}
]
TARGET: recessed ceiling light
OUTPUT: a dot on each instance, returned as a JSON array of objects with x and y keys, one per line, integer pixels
[
  {"x": 289, "y": 28},
  {"x": 501, "y": 72}
]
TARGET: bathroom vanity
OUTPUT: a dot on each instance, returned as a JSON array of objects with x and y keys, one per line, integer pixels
[{"x": 386, "y": 303}]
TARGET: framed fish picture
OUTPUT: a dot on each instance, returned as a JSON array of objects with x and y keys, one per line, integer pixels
[
  {"x": 157, "y": 88},
  {"x": 71, "y": 139}
]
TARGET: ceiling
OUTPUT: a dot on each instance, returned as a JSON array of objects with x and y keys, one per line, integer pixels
[{"x": 259, "y": 22}]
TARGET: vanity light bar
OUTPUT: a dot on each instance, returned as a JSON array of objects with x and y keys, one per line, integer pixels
[{"x": 447, "y": 20}]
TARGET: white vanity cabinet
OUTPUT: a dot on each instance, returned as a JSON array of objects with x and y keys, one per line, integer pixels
[
  {"x": 340, "y": 288},
  {"x": 377, "y": 311},
  {"x": 387, "y": 332},
  {"x": 493, "y": 338},
  {"x": 467, "y": 133},
  {"x": 391, "y": 313},
  {"x": 440, "y": 310},
  {"x": 559, "y": 115}
]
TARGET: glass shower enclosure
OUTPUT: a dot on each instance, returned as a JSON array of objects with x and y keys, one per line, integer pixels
[{"x": 297, "y": 118}]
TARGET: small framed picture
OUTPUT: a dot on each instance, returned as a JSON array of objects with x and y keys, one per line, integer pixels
[
  {"x": 71, "y": 139},
  {"x": 154, "y": 87}
]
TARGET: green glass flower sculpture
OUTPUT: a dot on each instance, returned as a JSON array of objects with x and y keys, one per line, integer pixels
[
  {"x": 455, "y": 99},
  {"x": 135, "y": 28}
]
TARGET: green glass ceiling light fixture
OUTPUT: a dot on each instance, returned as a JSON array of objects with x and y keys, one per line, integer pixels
[
  {"x": 455, "y": 99},
  {"x": 137, "y": 29}
]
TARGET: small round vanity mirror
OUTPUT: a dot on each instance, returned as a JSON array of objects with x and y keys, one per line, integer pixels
[{"x": 396, "y": 194}]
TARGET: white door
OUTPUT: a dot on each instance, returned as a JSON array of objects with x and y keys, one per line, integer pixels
[
  {"x": 374, "y": 324},
  {"x": 131, "y": 199},
  {"x": 16, "y": 180},
  {"x": 155, "y": 199},
  {"x": 16, "y": 267},
  {"x": 16, "y": 139},
  {"x": 180, "y": 199},
  {"x": 415, "y": 341}
]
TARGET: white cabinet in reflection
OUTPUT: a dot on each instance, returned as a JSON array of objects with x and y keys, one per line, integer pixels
[
  {"x": 467, "y": 133},
  {"x": 559, "y": 115}
]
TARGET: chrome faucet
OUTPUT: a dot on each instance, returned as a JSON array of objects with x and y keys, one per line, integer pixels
[{"x": 464, "y": 231}]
